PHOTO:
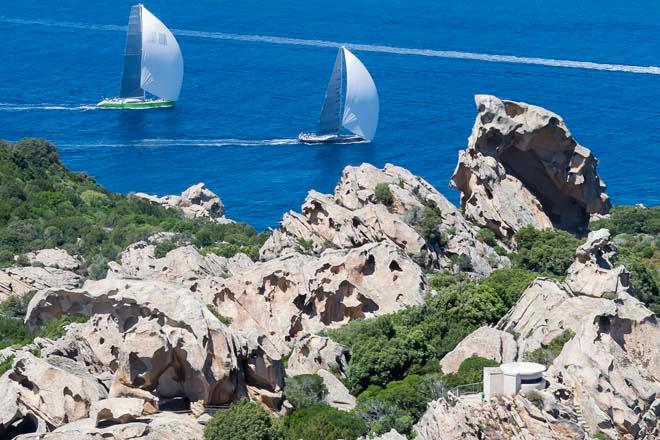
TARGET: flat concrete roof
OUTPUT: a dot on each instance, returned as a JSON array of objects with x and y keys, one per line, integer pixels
[{"x": 523, "y": 368}]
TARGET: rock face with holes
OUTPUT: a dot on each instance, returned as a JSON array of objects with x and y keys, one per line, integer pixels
[
  {"x": 45, "y": 393},
  {"x": 523, "y": 167},
  {"x": 160, "y": 341},
  {"x": 486, "y": 342},
  {"x": 312, "y": 353},
  {"x": 355, "y": 216},
  {"x": 297, "y": 294},
  {"x": 196, "y": 202}
]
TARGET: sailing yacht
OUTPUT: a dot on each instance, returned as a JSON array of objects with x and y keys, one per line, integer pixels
[
  {"x": 361, "y": 105},
  {"x": 152, "y": 64}
]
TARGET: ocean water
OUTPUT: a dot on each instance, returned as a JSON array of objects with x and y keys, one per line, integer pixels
[{"x": 256, "y": 72}]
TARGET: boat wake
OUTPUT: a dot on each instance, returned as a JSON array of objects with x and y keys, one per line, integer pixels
[
  {"x": 452, "y": 54},
  {"x": 7, "y": 107},
  {"x": 155, "y": 143}
]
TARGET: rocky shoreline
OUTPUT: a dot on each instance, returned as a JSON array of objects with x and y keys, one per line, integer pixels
[{"x": 185, "y": 326}]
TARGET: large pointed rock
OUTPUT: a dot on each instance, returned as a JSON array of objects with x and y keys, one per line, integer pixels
[{"x": 523, "y": 167}]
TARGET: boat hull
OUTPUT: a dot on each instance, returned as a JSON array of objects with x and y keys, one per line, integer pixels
[
  {"x": 132, "y": 104},
  {"x": 308, "y": 138}
]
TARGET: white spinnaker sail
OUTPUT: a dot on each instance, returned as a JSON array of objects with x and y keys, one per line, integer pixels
[
  {"x": 361, "y": 106},
  {"x": 162, "y": 63}
]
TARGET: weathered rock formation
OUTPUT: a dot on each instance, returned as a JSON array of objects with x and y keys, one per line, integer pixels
[
  {"x": 196, "y": 202},
  {"x": 610, "y": 369},
  {"x": 55, "y": 258},
  {"x": 21, "y": 280},
  {"x": 523, "y": 167},
  {"x": 160, "y": 341},
  {"x": 312, "y": 353},
  {"x": 501, "y": 418},
  {"x": 353, "y": 217},
  {"x": 338, "y": 395},
  {"x": 298, "y": 294},
  {"x": 486, "y": 342},
  {"x": 165, "y": 426}
]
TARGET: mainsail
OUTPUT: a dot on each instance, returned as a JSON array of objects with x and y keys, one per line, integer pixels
[
  {"x": 329, "y": 121},
  {"x": 361, "y": 107},
  {"x": 130, "y": 78},
  {"x": 162, "y": 62}
]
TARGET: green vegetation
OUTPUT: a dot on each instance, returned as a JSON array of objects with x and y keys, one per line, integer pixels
[
  {"x": 487, "y": 236},
  {"x": 383, "y": 194},
  {"x": 6, "y": 364},
  {"x": 428, "y": 226},
  {"x": 535, "y": 397},
  {"x": 601, "y": 436},
  {"x": 226, "y": 320},
  {"x": 44, "y": 205},
  {"x": 545, "y": 355},
  {"x": 323, "y": 422},
  {"x": 243, "y": 420},
  {"x": 305, "y": 390},
  {"x": 547, "y": 251},
  {"x": 389, "y": 347},
  {"x": 55, "y": 328},
  {"x": 470, "y": 371},
  {"x": 164, "y": 247}
]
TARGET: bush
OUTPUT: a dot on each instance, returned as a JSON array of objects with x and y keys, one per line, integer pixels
[
  {"x": 55, "y": 328},
  {"x": 226, "y": 320},
  {"x": 323, "y": 422},
  {"x": 630, "y": 220},
  {"x": 463, "y": 262},
  {"x": 487, "y": 236},
  {"x": 6, "y": 364},
  {"x": 305, "y": 390},
  {"x": 428, "y": 228},
  {"x": 470, "y": 371},
  {"x": 547, "y": 354},
  {"x": 383, "y": 194},
  {"x": 15, "y": 306},
  {"x": 243, "y": 420},
  {"x": 535, "y": 397},
  {"x": 163, "y": 248},
  {"x": 548, "y": 251},
  {"x": 509, "y": 284}
]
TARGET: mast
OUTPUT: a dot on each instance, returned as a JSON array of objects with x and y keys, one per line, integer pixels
[
  {"x": 130, "y": 78},
  {"x": 330, "y": 119}
]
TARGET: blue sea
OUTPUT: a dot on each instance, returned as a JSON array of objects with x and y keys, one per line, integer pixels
[{"x": 249, "y": 89}]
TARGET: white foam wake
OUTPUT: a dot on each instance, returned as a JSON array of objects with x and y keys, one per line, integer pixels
[
  {"x": 224, "y": 142},
  {"x": 452, "y": 54},
  {"x": 27, "y": 107}
]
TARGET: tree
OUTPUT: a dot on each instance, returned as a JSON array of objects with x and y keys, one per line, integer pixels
[
  {"x": 546, "y": 251},
  {"x": 322, "y": 422},
  {"x": 244, "y": 420},
  {"x": 305, "y": 390},
  {"x": 383, "y": 194}
]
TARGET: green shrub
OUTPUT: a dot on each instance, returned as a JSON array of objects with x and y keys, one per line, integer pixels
[
  {"x": 15, "y": 306},
  {"x": 305, "y": 390},
  {"x": 509, "y": 284},
  {"x": 463, "y": 262},
  {"x": 13, "y": 333},
  {"x": 226, "y": 320},
  {"x": 243, "y": 420},
  {"x": 163, "y": 248},
  {"x": 323, "y": 422},
  {"x": 487, "y": 236},
  {"x": 546, "y": 251},
  {"x": 383, "y": 194},
  {"x": 630, "y": 220},
  {"x": 428, "y": 228},
  {"x": 470, "y": 371},
  {"x": 55, "y": 328},
  {"x": 6, "y": 364},
  {"x": 535, "y": 397},
  {"x": 547, "y": 354}
]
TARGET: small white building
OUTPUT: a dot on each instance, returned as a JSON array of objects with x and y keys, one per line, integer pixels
[{"x": 512, "y": 378}]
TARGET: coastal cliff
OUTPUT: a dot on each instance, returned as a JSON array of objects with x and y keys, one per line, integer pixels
[{"x": 141, "y": 316}]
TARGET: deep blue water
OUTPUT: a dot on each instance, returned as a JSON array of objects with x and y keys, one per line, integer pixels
[{"x": 242, "y": 100}]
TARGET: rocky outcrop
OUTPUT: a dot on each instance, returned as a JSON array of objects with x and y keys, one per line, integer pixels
[
  {"x": 165, "y": 426},
  {"x": 196, "y": 202},
  {"x": 118, "y": 410},
  {"x": 523, "y": 167},
  {"x": 501, "y": 418},
  {"x": 392, "y": 435},
  {"x": 45, "y": 393},
  {"x": 183, "y": 265},
  {"x": 160, "y": 341},
  {"x": 338, "y": 395},
  {"x": 298, "y": 294},
  {"x": 354, "y": 216},
  {"x": 610, "y": 367},
  {"x": 486, "y": 342},
  {"x": 22, "y": 280},
  {"x": 312, "y": 353},
  {"x": 55, "y": 258}
]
